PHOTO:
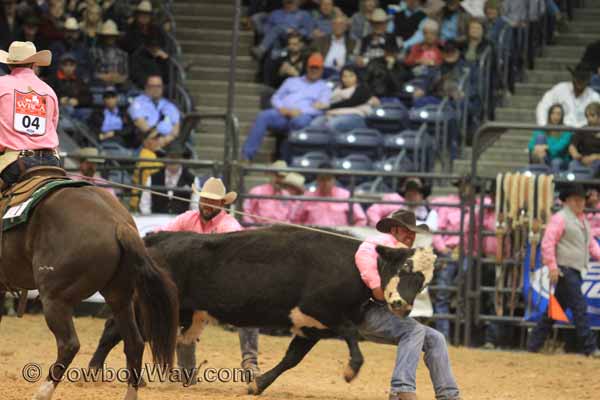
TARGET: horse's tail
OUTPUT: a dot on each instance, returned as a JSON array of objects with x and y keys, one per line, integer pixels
[{"x": 156, "y": 294}]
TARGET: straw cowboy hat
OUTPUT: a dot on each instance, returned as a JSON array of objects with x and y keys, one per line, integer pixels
[
  {"x": 25, "y": 53},
  {"x": 109, "y": 28},
  {"x": 403, "y": 218},
  {"x": 144, "y": 7},
  {"x": 214, "y": 189},
  {"x": 294, "y": 180},
  {"x": 279, "y": 164},
  {"x": 88, "y": 154},
  {"x": 71, "y": 24},
  {"x": 379, "y": 15}
]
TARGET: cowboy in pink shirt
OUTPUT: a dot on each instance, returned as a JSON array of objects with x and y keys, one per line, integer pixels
[
  {"x": 28, "y": 113},
  {"x": 278, "y": 210},
  {"x": 325, "y": 213},
  {"x": 378, "y": 211},
  {"x": 593, "y": 201},
  {"x": 566, "y": 249},
  {"x": 209, "y": 220}
]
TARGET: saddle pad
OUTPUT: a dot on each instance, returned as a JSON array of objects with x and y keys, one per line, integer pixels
[{"x": 19, "y": 213}]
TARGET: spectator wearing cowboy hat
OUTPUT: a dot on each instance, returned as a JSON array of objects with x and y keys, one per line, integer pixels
[
  {"x": 380, "y": 325},
  {"x": 88, "y": 164},
  {"x": 322, "y": 213},
  {"x": 566, "y": 249},
  {"x": 374, "y": 44},
  {"x": 210, "y": 220},
  {"x": 178, "y": 181},
  {"x": 278, "y": 210},
  {"x": 573, "y": 96},
  {"x": 73, "y": 93},
  {"x": 73, "y": 44},
  {"x": 111, "y": 64},
  {"x": 414, "y": 192},
  {"x": 30, "y": 32},
  {"x": 141, "y": 27}
]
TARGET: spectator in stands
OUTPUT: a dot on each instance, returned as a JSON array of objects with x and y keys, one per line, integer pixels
[
  {"x": 386, "y": 75},
  {"x": 88, "y": 164},
  {"x": 326, "y": 213},
  {"x": 278, "y": 210},
  {"x": 493, "y": 24},
  {"x": 72, "y": 92},
  {"x": 350, "y": 103},
  {"x": 374, "y": 44},
  {"x": 144, "y": 169},
  {"x": 73, "y": 44},
  {"x": 140, "y": 28},
  {"x": 117, "y": 11},
  {"x": 148, "y": 60},
  {"x": 551, "y": 147},
  {"x": 151, "y": 111},
  {"x": 414, "y": 192},
  {"x": 51, "y": 27},
  {"x": 425, "y": 57},
  {"x": 178, "y": 179},
  {"x": 573, "y": 96},
  {"x": 295, "y": 104},
  {"x": 282, "y": 22},
  {"x": 110, "y": 123},
  {"x": 9, "y": 23},
  {"x": 592, "y": 202},
  {"x": 111, "y": 64},
  {"x": 591, "y": 57},
  {"x": 30, "y": 32},
  {"x": 360, "y": 24},
  {"x": 448, "y": 246},
  {"x": 294, "y": 184},
  {"x": 585, "y": 147},
  {"x": 291, "y": 63},
  {"x": 453, "y": 20},
  {"x": 323, "y": 19},
  {"x": 408, "y": 23},
  {"x": 338, "y": 47},
  {"x": 453, "y": 64},
  {"x": 477, "y": 44},
  {"x": 91, "y": 24},
  {"x": 566, "y": 249}
]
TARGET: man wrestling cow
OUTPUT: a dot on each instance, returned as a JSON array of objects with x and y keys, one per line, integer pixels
[{"x": 309, "y": 283}]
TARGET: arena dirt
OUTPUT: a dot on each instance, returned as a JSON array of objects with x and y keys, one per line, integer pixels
[{"x": 481, "y": 375}]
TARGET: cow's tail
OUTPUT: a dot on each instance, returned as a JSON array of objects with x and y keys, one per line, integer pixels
[{"x": 156, "y": 294}]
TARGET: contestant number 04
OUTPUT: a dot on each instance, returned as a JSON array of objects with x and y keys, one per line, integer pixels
[{"x": 30, "y": 113}]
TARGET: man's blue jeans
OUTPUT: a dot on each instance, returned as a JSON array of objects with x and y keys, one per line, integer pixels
[
  {"x": 568, "y": 293},
  {"x": 412, "y": 338},
  {"x": 578, "y": 166},
  {"x": 271, "y": 119},
  {"x": 340, "y": 123}
]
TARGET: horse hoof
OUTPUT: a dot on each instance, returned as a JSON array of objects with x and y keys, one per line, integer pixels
[
  {"x": 349, "y": 373},
  {"x": 253, "y": 389}
]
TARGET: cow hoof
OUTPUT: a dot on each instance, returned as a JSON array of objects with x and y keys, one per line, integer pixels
[
  {"x": 349, "y": 373},
  {"x": 253, "y": 389}
]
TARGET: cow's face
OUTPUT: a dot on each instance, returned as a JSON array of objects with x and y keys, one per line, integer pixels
[{"x": 404, "y": 273}]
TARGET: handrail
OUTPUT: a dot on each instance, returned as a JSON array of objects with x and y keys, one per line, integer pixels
[
  {"x": 503, "y": 55},
  {"x": 484, "y": 80}
]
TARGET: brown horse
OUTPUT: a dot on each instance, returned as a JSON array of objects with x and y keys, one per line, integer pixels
[{"x": 79, "y": 241}]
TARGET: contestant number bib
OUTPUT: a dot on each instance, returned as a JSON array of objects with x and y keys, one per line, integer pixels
[{"x": 30, "y": 113}]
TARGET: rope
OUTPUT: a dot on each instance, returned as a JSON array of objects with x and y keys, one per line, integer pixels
[{"x": 242, "y": 213}]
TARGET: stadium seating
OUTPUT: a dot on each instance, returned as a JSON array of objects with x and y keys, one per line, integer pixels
[
  {"x": 365, "y": 141},
  {"x": 388, "y": 118},
  {"x": 309, "y": 139}
]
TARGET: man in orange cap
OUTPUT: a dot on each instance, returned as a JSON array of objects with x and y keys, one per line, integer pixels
[{"x": 295, "y": 104}]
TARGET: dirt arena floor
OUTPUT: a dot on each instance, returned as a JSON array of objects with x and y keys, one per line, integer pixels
[{"x": 481, "y": 374}]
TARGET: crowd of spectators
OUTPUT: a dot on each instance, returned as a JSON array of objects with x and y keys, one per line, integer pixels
[{"x": 409, "y": 52}]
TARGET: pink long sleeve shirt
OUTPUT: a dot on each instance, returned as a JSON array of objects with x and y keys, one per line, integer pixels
[
  {"x": 553, "y": 234},
  {"x": 279, "y": 210},
  {"x": 329, "y": 214},
  {"x": 449, "y": 220},
  {"x": 191, "y": 221},
  {"x": 366, "y": 258},
  {"x": 28, "y": 112},
  {"x": 594, "y": 219},
  {"x": 379, "y": 211}
]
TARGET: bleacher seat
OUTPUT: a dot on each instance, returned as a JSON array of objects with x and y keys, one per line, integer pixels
[
  {"x": 311, "y": 159},
  {"x": 309, "y": 139},
  {"x": 353, "y": 162},
  {"x": 388, "y": 118},
  {"x": 394, "y": 164},
  {"x": 364, "y": 141},
  {"x": 536, "y": 169}
]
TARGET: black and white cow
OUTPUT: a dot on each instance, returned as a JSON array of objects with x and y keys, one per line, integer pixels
[{"x": 283, "y": 277}]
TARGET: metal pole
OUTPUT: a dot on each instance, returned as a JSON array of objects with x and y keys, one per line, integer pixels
[{"x": 229, "y": 155}]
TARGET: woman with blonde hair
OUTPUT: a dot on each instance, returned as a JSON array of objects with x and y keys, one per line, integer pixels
[{"x": 91, "y": 23}]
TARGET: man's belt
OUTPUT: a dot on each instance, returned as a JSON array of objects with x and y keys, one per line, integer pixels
[{"x": 38, "y": 153}]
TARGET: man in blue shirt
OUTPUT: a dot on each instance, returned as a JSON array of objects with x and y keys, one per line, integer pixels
[
  {"x": 281, "y": 23},
  {"x": 151, "y": 111},
  {"x": 295, "y": 104}
]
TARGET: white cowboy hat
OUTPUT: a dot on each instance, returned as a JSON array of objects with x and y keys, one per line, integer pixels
[
  {"x": 214, "y": 189},
  {"x": 144, "y": 7},
  {"x": 279, "y": 164},
  {"x": 25, "y": 53},
  {"x": 109, "y": 28},
  {"x": 379, "y": 15},
  {"x": 71, "y": 24},
  {"x": 294, "y": 180},
  {"x": 89, "y": 154}
]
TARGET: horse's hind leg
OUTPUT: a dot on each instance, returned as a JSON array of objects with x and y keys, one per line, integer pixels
[
  {"x": 109, "y": 339},
  {"x": 59, "y": 318}
]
